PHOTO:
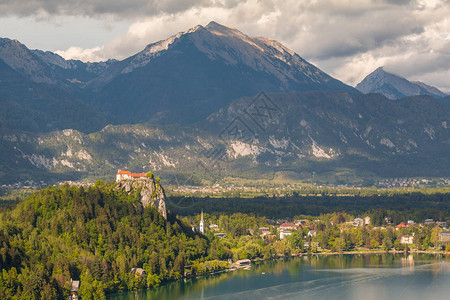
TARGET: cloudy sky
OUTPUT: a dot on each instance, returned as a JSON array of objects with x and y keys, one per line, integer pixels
[{"x": 346, "y": 38}]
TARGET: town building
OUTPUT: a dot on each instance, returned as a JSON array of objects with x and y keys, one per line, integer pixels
[
  {"x": 442, "y": 224},
  {"x": 243, "y": 263},
  {"x": 281, "y": 221},
  {"x": 444, "y": 237},
  {"x": 358, "y": 222},
  {"x": 288, "y": 226},
  {"x": 214, "y": 227},
  {"x": 284, "y": 234},
  {"x": 301, "y": 222},
  {"x": 264, "y": 231},
  {"x": 428, "y": 221},
  {"x": 74, "y": 289},
  {"x": 312, "y": 233},
  {"x": 401, "y": 225},
  {"x": 407, "y": 239}
]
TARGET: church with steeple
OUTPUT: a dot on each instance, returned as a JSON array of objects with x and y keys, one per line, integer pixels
[{"x": 202, "y": 224}]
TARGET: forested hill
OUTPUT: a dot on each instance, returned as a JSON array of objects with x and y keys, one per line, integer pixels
[{"x": 95, "y": 235}]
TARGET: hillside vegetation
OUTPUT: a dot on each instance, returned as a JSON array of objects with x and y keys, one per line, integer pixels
[{"x": 95, "y": 235}]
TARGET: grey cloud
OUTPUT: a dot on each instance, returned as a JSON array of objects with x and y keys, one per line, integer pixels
[
  {"x": 336, "y": 33},
  {"x": 92, "y": 8},
  {"x": 352, "y": 36},
  {"x": 399, "y": 2}
]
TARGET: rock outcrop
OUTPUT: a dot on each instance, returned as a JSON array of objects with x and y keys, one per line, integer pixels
[{"x": 150, "y": 192}]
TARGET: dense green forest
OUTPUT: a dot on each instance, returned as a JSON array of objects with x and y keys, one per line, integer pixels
[
  {"x": 415, "y": 206},
  {"x": 96, "y": 235}
]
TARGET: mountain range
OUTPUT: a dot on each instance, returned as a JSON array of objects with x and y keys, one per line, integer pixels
[
  {"x": 208, "y": 103},
  {"x": 199, "y": 70},
  {"x": 395, "y": 87}
]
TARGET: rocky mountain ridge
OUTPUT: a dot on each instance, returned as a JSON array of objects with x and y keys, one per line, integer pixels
[
  {"x": 395, "y": 87},
  {"x": 199, "y": 70},
  {"x": 321, "y": 132}
]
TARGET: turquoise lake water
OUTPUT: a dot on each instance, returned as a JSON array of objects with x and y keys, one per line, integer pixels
[{"x": 375, "y": 276}]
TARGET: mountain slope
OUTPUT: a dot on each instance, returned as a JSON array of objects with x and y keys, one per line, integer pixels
[
  {"x": 48, "y": 67},
  {"x": 201, "y": 70},
  {"x": 42, "y": 107},
  {"x": 340, "y": 134},
  {"x": 395, "y": 87},
  {"x": 95, "y": 235},
  {"x": 178, "y": 80},
  {"x": 445, "y": 101}
]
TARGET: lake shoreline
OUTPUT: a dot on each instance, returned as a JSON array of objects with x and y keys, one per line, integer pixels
[{"x": 269, "y": 271}]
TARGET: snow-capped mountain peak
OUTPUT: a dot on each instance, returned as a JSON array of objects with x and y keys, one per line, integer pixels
[
  {"x": 393, "y": 86},
  {"x": 228, "y": 44}
]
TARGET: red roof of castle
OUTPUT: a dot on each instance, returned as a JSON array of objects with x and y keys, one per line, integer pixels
[
  {"x": 137, "y": 175},
  {"x": 122, "y": 172}
]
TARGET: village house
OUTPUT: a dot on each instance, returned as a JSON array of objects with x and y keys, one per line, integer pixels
[
  {"x": 287, "y": 226},
  {"x": 407, "y": 239},
  {"x": 281, "y": 221},
  {"x": 428, "y": 221},
  {"x": 270, "y": 236},
  {"x": 214, "y": 227},
  {"x": 264, "y": 231},
  {"x": 401, "y": 225},
  {"x": 442, "y": 224},
  {"x": 301, "y": 222},
  {"x": 444, "y": 237},
  {"x": 358, "y": 222},
  {"x": 312, "y": 233},
  {"x": 367, "y": 220},
  {"x": 74, "y": 289},
  {"x": 410, "y": 222},
  {"x": 284, "y": 234},
  {"x": 242, "y": 263}
]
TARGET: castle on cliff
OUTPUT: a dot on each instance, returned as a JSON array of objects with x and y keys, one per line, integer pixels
[{"x": 123, "y": 175}]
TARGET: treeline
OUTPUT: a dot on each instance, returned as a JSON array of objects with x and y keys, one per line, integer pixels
[
  {"x": 401, "y": 207},
  {"x": 96, "y": 235},
  {"x": 328, "y": 232}
]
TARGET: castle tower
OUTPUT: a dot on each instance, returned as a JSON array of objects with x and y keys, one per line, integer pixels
[{"x": 202, "y": 224}]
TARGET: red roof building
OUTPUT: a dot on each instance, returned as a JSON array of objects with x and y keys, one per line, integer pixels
[
  {"x": 401, "y": 225},
  {"x": 138, "y": 175},
  {"x": 124, "y": 175},
  {"x": 285, "y": 226}
]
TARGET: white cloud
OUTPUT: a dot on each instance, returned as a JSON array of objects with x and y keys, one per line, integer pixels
[{"x": 93, "y": 54}]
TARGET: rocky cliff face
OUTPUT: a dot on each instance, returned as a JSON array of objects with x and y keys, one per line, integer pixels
[{"x": 150, "y": 193}]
